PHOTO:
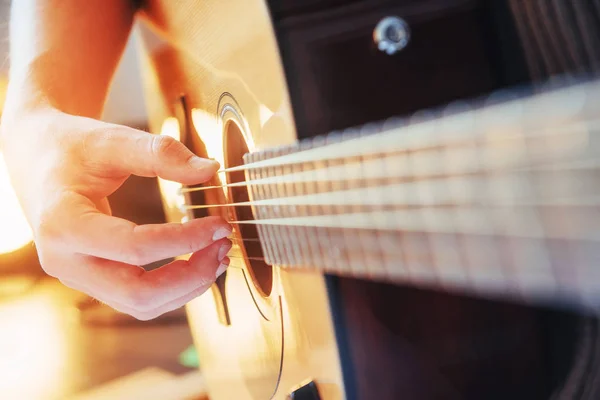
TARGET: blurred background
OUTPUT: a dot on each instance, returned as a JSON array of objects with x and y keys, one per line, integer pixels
[{"x": 56, "y": 343}]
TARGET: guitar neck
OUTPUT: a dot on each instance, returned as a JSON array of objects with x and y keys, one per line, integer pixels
[{"x": 502, "y": 199}]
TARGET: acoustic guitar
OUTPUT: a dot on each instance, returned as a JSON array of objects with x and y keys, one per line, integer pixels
[{"x": 352, "y": 224}]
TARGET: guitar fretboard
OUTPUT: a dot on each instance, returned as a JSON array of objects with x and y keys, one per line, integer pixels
[{"x": 497, "y": 200}]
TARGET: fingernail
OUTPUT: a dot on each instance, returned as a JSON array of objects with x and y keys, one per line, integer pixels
[
  {"x": 223, "y": 251},
  {"x": 221, "y": 233},
  {"x": 222, "y": 267},
  {"x": 198, "y": 162}
]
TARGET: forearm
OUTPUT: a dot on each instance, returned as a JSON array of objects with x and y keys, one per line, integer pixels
[{"x": 63, "y": 53}]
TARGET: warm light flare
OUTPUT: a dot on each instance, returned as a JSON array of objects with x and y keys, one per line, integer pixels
[
  {"x": 33, "y": 345},
  {"x": 14, "y": 229},
  {"x": 170, "y": 127},
  {"x": 169, "y": 189},
  {"x": 265, "y": 115},
  {"x": 211, "y": 133}
]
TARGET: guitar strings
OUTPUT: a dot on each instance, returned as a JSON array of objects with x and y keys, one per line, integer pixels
[
  {"x": 350, "y": 253},
  {"x": 360, "y": 172},
  {"x": 590, "y": 201},
  {"x": 349, "y": 250},
  {"x": 417, "y": 137},
  {"x": 246, "y": 258},
  {"x": 437, "y": 191},
  {"x": 429, "y": 165},
  {"x": 412, "y": 138},
  {"x": 466, "y": 221},
  {"x": 379, "y": 264},
  {"x": 498, "y": 276},
  {"x": 234, "y": 239},
  {"x": 513, "y": 191},
  {"x": 350, "y": 150},
  {"x": 263, "y": 259}
]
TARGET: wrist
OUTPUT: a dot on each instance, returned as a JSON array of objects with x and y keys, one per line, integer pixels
[
  {"x": 20, "y": 115},
  {"x": 23, "y": 98}
]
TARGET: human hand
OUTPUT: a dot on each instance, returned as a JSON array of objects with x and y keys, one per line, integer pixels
[{"x": 63, "y": 168}]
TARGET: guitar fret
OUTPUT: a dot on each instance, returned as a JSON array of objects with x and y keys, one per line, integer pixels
[
  {"x": 313, "y": 249},
  {"x": 448, "y": 262},
  {"x": 328, "y": 249},
  {"x": 266, "y": 193},
  {"x": 485, "y": 266},
  {"x": 560, "y": 220},
  {"x": 349, "y": 236},
  {"x": 539, "y": 272},
  {"x": 487, "y": 210},
  {"x": 385, "y": 267},
  {"x": 372, "y": 259},
  {"x": 422, "y": 269},
  {"x": 305, "y": 244},
  {"x": 290, "y": 231},
  {"x": 430, "y": 238},
  {"x": 263, "y": 230},
  {"x": 447, "y": 248},
  {"x": 283, "y": 231}
]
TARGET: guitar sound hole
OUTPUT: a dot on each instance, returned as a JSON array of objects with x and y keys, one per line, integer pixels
[{"x": 262, "y": 274}]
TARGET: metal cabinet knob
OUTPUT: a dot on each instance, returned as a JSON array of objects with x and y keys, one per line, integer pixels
[{"x": 391, "y": 35}]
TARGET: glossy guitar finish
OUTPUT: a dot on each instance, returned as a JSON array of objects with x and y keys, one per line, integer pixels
[
  {"x": 227, "y": 70},
  {"x": 236, "y": 77}
]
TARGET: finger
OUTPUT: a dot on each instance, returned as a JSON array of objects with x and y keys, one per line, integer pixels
[
  {"x": 170, "y": 306},
  {"x": 140, "y": 153},
  {"x": 146, "y": 294},
  {"x": 175, "y": 304},
  {"x": 85, "y": 230},
  {"x": 104, "y": 206},
  {"x": 147, "y": 315}
]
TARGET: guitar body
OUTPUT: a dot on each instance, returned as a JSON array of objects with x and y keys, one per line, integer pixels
[
  {"x": 271, "y": 342},
  {"x": 227, "y": 77}
]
